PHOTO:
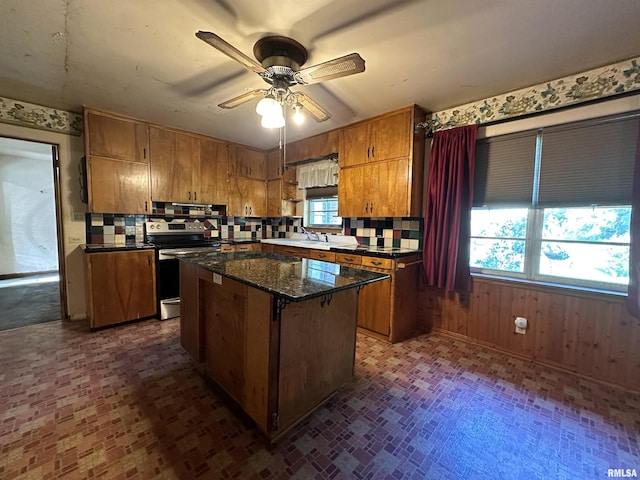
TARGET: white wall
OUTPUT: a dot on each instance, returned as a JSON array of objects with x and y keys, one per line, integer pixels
[
  {"x": 71, "y": 150},
  {"x": 27, "y": 208}
]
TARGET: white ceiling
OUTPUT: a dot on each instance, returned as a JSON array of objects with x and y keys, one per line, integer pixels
[{"x": 141, "y": 58}]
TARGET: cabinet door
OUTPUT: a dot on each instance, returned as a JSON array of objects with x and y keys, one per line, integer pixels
[
  {"x": 117, "y": 138},
  {"x": 392, "y": 136},
  {"x": 388, "y": 189},
  {"x": 214, "y": 161},
  {"x": 172, "y": 173},
  {"x": 118, "y": 187},
  {"x": 354, "y": 145},
  {"x": 374, "y": 307},
  {"x": 274, "y": 198},
  {"x": 353, "y": 192},
  {"x": 247, "y": 197},
  {"x": 274, "y": 164},
  {"x": 246, "y": 162},
  {"x": 121, "y": 286},
  {"x": 190, "y": 326},
  {"x": 186, "y": 182},
  {"x": 314, "y": 147}
]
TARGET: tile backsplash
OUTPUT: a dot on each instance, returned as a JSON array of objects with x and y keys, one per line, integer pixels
[
  {"x": 114, "y": 228},
  {"x": 385, "y": 232}
]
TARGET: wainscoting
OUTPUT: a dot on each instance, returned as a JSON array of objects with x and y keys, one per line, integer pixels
[{"x": 590, "y": 334}]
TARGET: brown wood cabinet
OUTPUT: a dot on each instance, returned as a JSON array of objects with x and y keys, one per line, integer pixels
[
  {"x": 116, "y": 137},
  {"x": 388, "y": 309},
  {"x": 247, "y": 162},
  {"x": 313, "y": 147},
  {"x": 281, "y": 186},
  {"x": 247, "y": 197},
  {"x": 187, "y": 168},
  {"x": 117, "y": 164},
  {"x": 277, "y": 361},
  {"x": 382, "y": 166},
  {"x": 383, "y": 138},
  {"x": 120, "y": 286},
  {"x": 381, "y": 189}
]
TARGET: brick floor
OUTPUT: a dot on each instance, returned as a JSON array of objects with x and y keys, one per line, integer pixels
[{"x": 125, "y": 403}]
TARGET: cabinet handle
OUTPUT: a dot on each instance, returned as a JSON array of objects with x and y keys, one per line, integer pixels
[
  {"x": 371, "y": 208},
  {"x": 246, "y": 209},
  {"x": 368, "y": 150},
  {"x": 195, "y": 195},
  {"x": 146, "y": 206},
  {"x": 189, "y": 195},
  {"x": 375, "y": 262},
  {"x": 144, "y": 153},
  {"x": 366, "y": 207},
  {"x": 148, "y": 260},
  {"x": 373, "y": 151}
]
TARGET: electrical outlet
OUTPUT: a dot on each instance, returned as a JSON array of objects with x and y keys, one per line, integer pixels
[
  {"x": 521, "y": 325},
  {"x": 521, "y": 330},
  {"x": 75, "y": 239}
]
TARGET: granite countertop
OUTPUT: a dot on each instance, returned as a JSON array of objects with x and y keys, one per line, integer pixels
[
  {"x": 373, "y": 250},
  {"x": 114, "y": 247},
  {"x": 292, "y": 278}
]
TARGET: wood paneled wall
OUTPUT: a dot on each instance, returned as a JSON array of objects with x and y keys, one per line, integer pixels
[{"x": 590, "y": 334}]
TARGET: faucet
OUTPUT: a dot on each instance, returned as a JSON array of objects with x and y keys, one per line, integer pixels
[{"x": 310, "y": 235}]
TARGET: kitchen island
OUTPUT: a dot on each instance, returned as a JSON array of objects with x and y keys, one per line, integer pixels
[{"x": 276, "y": 334}]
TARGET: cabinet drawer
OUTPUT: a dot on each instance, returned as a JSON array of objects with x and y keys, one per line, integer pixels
[
  {"x": 291, "y": 251},
  {"x": 322, "y": 255},
  {"x": 348, "y": 258},
  {"x": 376, "y": 262},
  {"x": 248, "y": 248}
]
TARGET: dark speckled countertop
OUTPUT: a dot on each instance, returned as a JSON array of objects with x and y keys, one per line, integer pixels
[{"x": 292, "y": 278}]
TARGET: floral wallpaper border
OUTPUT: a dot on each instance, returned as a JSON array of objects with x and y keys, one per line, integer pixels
[
  {"x": 614, "y": 79},
  {"x": 36, "y": 116}
]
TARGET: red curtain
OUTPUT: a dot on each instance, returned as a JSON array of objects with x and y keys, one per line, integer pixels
[
  {"x": 634, "y": 250},
  {"x": 448, "y": 209}
]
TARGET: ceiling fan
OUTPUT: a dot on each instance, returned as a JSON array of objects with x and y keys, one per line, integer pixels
[{"x": 279, "y": 62}]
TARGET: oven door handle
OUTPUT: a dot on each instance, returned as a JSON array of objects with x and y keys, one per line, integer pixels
[{"x": 171, "y": 301}]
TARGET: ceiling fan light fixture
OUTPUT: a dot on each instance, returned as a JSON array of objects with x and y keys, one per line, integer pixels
[
  {"x": 266, "y": 105},
  {"x": 273, "y": 120},
  {"x": 298, "y": 117}
]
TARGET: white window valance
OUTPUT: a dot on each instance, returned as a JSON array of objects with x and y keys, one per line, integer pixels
[{"x": 322, "y": 173}]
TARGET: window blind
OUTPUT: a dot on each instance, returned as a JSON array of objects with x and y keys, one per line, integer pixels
[
  {"x": 504, "y": 170},
  {"x": 588, "y": 163}
]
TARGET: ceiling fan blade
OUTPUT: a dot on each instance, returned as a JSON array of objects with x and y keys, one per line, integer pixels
[
  {"x": 336, "y": 68},
  {"x": 229, "y": 50},
  {"x": 240, "y": 99},
  {"x": 318, "y": 113}
]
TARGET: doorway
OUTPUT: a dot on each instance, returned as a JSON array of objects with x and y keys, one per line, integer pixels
[{"x": 31, "y": 265}]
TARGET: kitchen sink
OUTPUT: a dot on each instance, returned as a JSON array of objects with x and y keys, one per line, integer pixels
[{"x": 288, "y": 242}]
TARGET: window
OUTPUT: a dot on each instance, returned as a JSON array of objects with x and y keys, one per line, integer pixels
[
  {"x": 554, "y": 205},
  {"x": 322, "y": 208}
]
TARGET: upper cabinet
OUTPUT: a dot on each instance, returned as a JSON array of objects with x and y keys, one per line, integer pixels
[
  {"x": 247, "y": 185},
  {"x": 187, "y": 168},
  {"x": 384, "y": 138},
  {"x": 117, "y": 150},
  {"x": 116, "y": 137},
  {"x": 382, "y": 166},
  {"x": 247, "y": 162},
  {"x": 281, "y": 186},
  {"x": 313, "y": 147}
]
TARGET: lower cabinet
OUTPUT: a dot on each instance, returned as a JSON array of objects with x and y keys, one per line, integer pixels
[
  {"x": 277, "y": 361},
  {"x": 120, "y": 286},
  {"x": 387, "y": 309}
]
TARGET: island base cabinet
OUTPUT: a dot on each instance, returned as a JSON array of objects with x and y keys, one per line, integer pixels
[{"x": 278, "y": 361}]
